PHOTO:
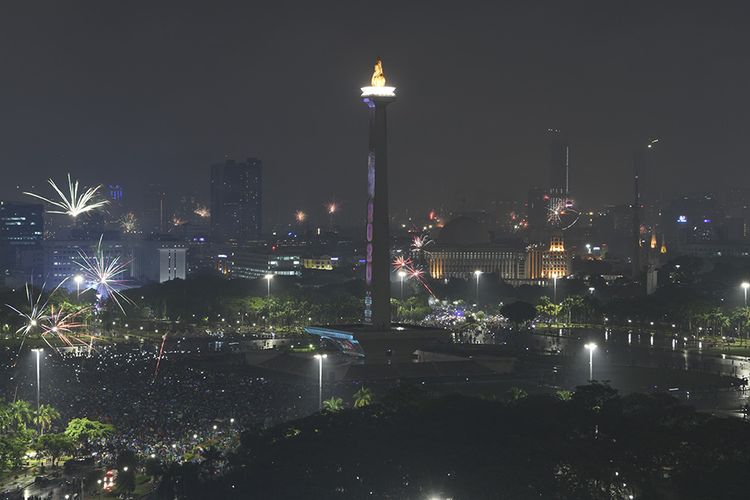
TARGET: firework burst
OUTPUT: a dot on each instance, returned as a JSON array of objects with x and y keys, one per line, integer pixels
[
  {"x": 561, "y": 214},
  {"x": 412, "y": 271},
  {"x": 62, "y": 324},
  {"x": 400, "y": 263},
  {"x": 74, "y": 203},
  {"x": 300, "y": 216},
  {"x": 37, "y": 315},
  {"x": 101, "y": 274},
  {"x": 202, "y": 212},
  {"x": 129, "y": 223},
  {"x": 420, "y": 242}
]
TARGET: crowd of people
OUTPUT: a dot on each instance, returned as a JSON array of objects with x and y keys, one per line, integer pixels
[{"x": 192, "y": 400}]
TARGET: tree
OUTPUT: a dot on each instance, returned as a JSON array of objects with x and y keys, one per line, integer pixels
[
  {"x": 518, "y": 312},
  {"x": 21, "y": 413},
  {"x": 362, "y": 397},
  {"x": 333, "y": 404},
  {"x": 47, "y": 415},
  {"x": 545, "y": 307},
  {"x": 83, "y": 431},
  {"x": 54, "y": 446}
]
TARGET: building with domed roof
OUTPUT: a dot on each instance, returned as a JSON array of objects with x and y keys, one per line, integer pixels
[{"x": 465, "y": 246}]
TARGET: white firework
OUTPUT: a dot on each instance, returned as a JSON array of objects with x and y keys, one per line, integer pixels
[
  {"x": 37, "y": 313},
  {"x": 75, "y": 203},
  {"x": 561, "y": 214},
  {"x": 101, "y": 274},
  {"x": 420, "y": 242}
]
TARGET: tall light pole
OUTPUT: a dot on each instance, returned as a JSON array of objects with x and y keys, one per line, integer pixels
[
  {"x": 38, "y": 353},
  {"x": 554, "y": 287},
  {"x": 591, "y": 348},
  {"x": 320, "y": 358},
  {"x": 78, "y": 279},
  {"x": 477, "y": 274},
  {"x": 745, "y": 285},
  {"x": 268, "y": 278},
  {"x": 402, "y": 275}
]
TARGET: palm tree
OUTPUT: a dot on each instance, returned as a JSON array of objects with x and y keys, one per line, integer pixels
[
  {"x": 362, "y": 397},
  {"x": 47, "y": 414},
  {"x": 333, "y": 404},
  {"x": 21, "y": 413}
]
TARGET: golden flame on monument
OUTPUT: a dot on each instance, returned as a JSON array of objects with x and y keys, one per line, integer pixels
[{"x": 378, "y": 77}]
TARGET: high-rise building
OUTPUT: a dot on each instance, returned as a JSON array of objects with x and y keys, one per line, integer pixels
[
  {"x": 154, "y": 210},
  {"x": 236, "y": 201},
  {"x": 377, "y": 251},
  {"x": 559, "y": 165},
  {"x": 21, "y": 235}
]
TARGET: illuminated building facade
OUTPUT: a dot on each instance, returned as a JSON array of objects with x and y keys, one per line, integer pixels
[
  {"x": 251, "y": 263},
  {"x": 545, "y": 262},
  {"x": 465, "y": 246},
  {"x": 236, "y": 201},
  {"x": 377, "y": 250}
]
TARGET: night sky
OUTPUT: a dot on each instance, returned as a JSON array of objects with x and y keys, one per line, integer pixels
[{"x": 135, "y": 91}]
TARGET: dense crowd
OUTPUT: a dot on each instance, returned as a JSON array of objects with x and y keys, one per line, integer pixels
[{"x": 165, "y": 414}]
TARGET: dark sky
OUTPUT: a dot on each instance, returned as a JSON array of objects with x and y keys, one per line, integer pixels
[{"x": 137, "y": 91}]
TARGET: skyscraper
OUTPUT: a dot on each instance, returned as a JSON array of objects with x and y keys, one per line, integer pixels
[
  {"x": 378, "y": 276},
  {"x": 559, "y": 165},
  {"x": 236, "y": 201}
]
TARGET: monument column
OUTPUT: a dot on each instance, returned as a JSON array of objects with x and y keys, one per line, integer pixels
[{"x": 377, "y": 252}]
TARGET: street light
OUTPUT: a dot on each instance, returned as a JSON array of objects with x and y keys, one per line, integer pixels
[
  {"x": 78, "y": 279},
  {"x": 320, "y": 358},
  {"x": 745, "y": 285},
  {"x": 268, "y": 278},
  {"x": 554, "y": 287},
  {"x": 38, "y": 354},
  {"x": 402, "y": 275},
  {"x": 477, "y": 273},
  {"x": 591, "y": 348}
]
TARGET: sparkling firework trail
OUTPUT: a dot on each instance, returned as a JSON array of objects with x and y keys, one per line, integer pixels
[
  {"x": 562, "y": 214},
  {"x": 129, "y": 223},
  {"x": 401, "y": 263},
  {"x": 61, "y": 324},
  {"x": 36, "y": 316},
  {"x": 101, "y": 274},
  {"x": 73, "y": 204},
  {"x": 332, "y": 208},
  {"x": 420, "y": 242},
  {"x": 158, "y": 358},
  {"x": 202, "y": 212},
  {"x": 414, "y": 272}
]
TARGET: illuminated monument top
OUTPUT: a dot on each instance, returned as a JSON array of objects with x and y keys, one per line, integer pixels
[
  {"x": 377, "y": 86},
  {"x": 377, "y": 254}
]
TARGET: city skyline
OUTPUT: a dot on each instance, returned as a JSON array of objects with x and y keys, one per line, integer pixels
[{"x": 157, "y": 95}]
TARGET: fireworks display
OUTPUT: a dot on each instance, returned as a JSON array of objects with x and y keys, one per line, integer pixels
[
  {"x": 332, "y": 208},
  {"x": 561, "y": 214},
  {"x": 129, "y": 223},
  {"x": 412, "y": 271},
  {"x": 75, "y": 203},
  {"x": 300, "y": 216},
  {"x": 202, "y": 212},
  {"x": 36, "y": 315},
  {"x": 48, "y": 321},
  {"x": 62, "y": 325},
  {"x": 101, "y": 274},
  {"x": 420, "y": 242}
]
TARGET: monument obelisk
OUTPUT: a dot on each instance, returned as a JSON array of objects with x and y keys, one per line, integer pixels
[{"x": 377, "y": 252}]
